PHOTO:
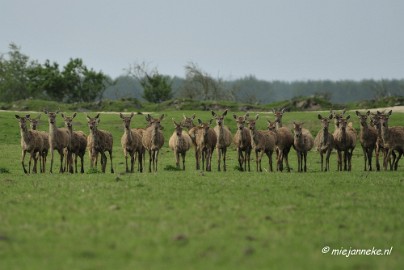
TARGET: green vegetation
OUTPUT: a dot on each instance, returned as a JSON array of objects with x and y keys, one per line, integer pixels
[{"x": 192, "y": 219}]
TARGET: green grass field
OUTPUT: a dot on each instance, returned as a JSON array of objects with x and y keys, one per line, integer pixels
[{"x": 194, "y": 220}]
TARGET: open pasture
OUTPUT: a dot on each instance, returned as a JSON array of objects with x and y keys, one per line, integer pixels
[{"x": 192, "y": 219}]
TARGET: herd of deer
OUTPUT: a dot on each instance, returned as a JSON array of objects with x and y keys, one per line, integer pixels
[{"x": 374, "y": 136}]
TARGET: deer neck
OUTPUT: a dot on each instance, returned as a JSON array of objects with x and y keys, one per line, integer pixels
[
  {"x": 325, "y": 135},
  {"x": 278, "y": 124},
  {"x": 53, "y": 130},
  {"x": 128, "y": 134},
  {"x": 385, "y": 133},
  {"x": 220, "y": 136},
  {"x": 25, "y": 134},
  {"x": 155, "y": 135}
]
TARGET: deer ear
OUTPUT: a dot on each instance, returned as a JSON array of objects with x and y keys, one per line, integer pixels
[
  {"x": 246, "y": 115},
  {"x": 17, "y": 116},
  {"x": 210, "y": 122},
  {"x": 390, "y": 112},
  {"x": 62, "y": 114},
  {"x": 330, "y": 117},
  {"x": 273, "y": 110},
  {"x": 213, "y": 113},
  {"x": 235, "y": 116},
  {"x": 45, "y": 111},
  {"x": 74, "y": 115},
  {"x": 348, "y": 117},
  {"x": 121, "y": 115},
  {"x": 97, "y": 116},
  {"x": 357, "y": 113},
  {"x": 193, "y": 116},
  {"x": 200, "y": 121},
  {"x": 161, "y": 117},
  {"x": 368, "y": 113},
  {"x": 132, "y": 114},
  {"x": 283, "y": 110},
  {"x": 319, "y": 116},
  {"x": 27, "y": 116},
  {"x": 225, "y": 112},
  {"x": 256, "y": 117}
]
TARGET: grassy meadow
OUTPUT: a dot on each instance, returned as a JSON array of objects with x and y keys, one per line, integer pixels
[{"x": 196, "y": 220}]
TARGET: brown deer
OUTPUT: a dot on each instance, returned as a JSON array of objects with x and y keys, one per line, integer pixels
[
  {"x": 242, "y": 140},
  {"x": 367, "y": 138},
  {"x": 188, "y": 122},
  {"x": 375, "y": 122},
  {"x": 344, "y": 141},
  {"x": 262, "y": 141},
  {"x": 303, "y": 143},
  {"x": 206, "y": 141},
  {"x": 131, "y": 142},
  {"x": 153, "y": 140},
  {"x": 224, "y": 138},
  {"x": 45, "y": 137},
  {"x": 99, "y": 142},
  {"x": 393, "y": 139},
  {"x": 31, "y": 142},
  {"x": 179, "y": 142},
  {"x": 284, "y": 140},
  {"x": 78, "y": 143},
  {"x": 324, "y": 142},
  {"x": 59, "y": 139}
]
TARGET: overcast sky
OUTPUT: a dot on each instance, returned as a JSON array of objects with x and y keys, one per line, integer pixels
[{"x": 272, "y": 40}]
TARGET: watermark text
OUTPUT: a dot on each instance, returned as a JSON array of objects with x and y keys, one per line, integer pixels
[{"x": 347, "y": 252}]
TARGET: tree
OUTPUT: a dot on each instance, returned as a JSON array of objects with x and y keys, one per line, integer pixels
[
  {"x": 156, "y": 87},
  {"x": 82, "y": 84},
  {"x": 201, "y": 85},
  {"x": 47, "y": 81},
  {"x": 14, "y": 74}
]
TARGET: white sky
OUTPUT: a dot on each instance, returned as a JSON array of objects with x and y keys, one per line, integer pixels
[{"x": 272, "y": 40}]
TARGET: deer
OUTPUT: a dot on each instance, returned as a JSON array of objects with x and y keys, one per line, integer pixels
[
  {"x": 344, "y": 141},
  {"x": 324, "y": 142},
  {"x": 188, "y": 122},
  {"x": 206, "y": 141},
  {"x": 393, "y": 139},
  {"x": 31, "y": 142},
  {"x": 78, "y": 143},
  {"x": 45, "y": 137},
  {"x": 179, "y": 142},
  {"x": 242, "y": 141},
  {"x": 224, "y": 138},
  {"x": 375, "y": 122},
  {"x": 98, "y": 142},
  {"x": 285, "y": 139},
  {"x": 367, "y": 138},
  {"x": 303, "y": 143},
  {"x": 153, "y": 140},
  {"x": 262, "y": 141},
  {"x": 132, "y": 145},
  {"x": 59, "y": 140}
]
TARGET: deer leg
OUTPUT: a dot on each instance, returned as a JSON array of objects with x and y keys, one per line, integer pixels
[
  {"x": 224, "y": 159},
  {"x": 177, "y": 159},
  {"x": 132, "y": 161},
  {"x": 269, "y": 154},
  {"x": 286, "y": 158},
  {"x": 396, "y": 160},
  {"x": 305, "y": 161},
  {"x": 241, "y": 160},
  {"x": 110, "y": 158},
  {"x": 219, "y": 156},
  {"x": 183, "y": 160},
  {"x": 370, "y": 156}
]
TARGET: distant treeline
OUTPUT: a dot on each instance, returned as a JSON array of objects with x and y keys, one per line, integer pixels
[{"x": 255, "y": 91}]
